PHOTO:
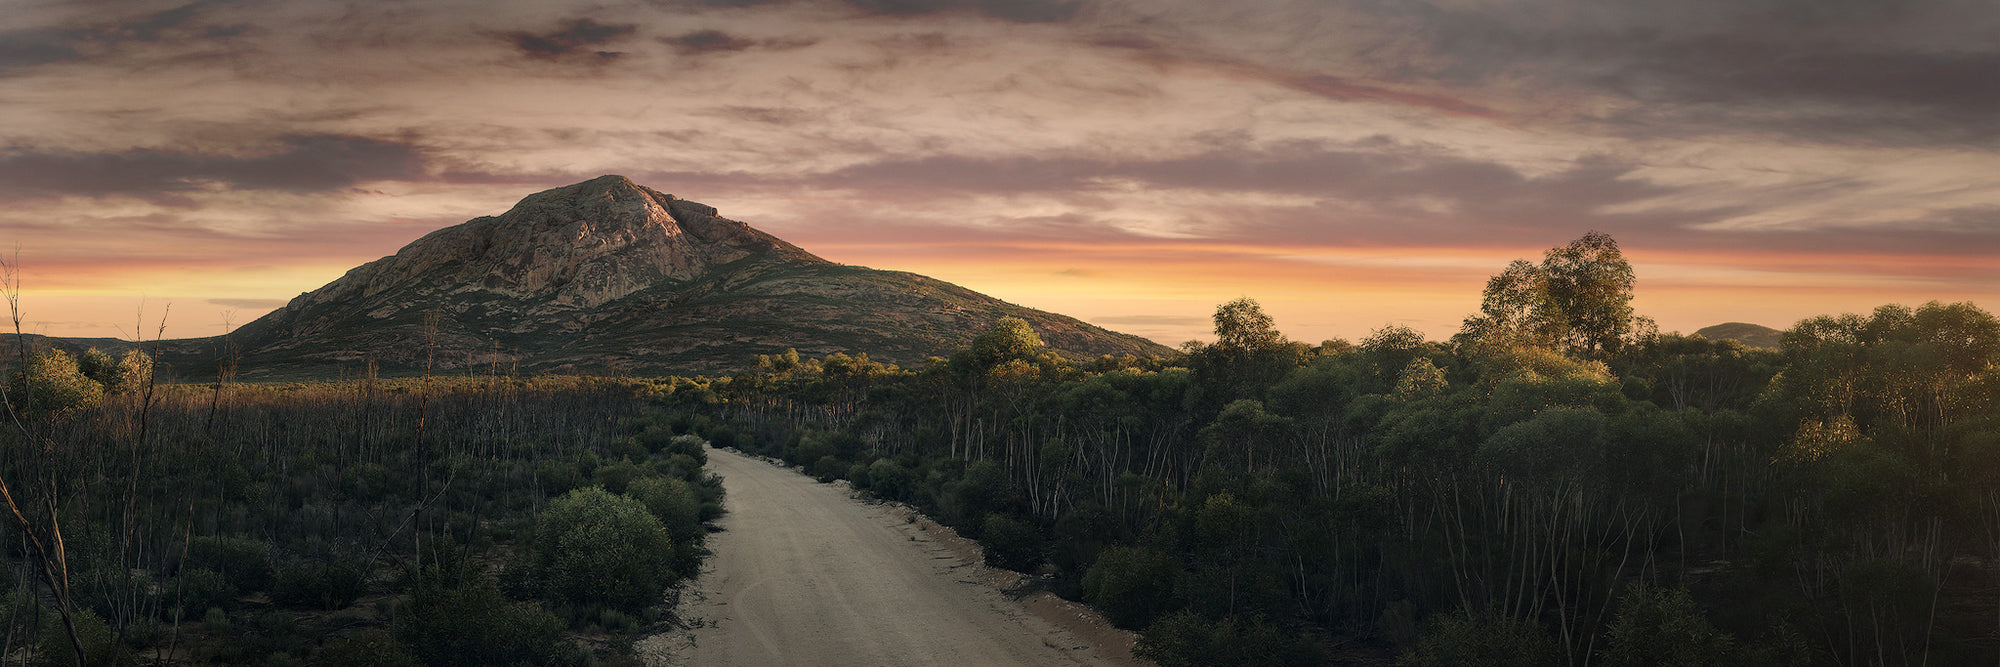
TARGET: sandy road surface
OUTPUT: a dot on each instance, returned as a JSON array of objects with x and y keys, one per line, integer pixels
[{"x": 804, "y": 575}]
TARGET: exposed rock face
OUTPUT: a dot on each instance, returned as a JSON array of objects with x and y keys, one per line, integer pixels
[{"x": 609, "y": 276}]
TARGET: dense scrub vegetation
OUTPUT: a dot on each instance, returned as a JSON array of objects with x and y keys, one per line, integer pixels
[
  {"x": 469, "y": 521},
  {"x": 1558, "y": 484}
]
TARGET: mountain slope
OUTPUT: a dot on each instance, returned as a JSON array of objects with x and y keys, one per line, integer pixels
[
  {"x": 1750, "y": 335},
  {"x": 607, "y": 276}
]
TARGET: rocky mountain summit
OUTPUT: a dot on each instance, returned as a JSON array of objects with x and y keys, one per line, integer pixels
[{"x": 607, "y": 276}]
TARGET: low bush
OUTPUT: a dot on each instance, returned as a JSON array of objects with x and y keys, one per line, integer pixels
[
  {"x": 1185, "y": 639},
  {"x": 245, "y": 563},
  {"x": 828, "y": 468},
  {"x": 1459, "y": 639},
  {"x": 198, "y": 589},
  {"x": 1010, "y": 543},
  {"x": 474, "y": 625},
  {"x": 318, "y": 585},
  {"x": 1131, "y": 586},
  {"x": 889, "y": 480},
  {"x": 615, "y": 477},
  {"x": 594, "y": 547},
  {"x": 368, "y": 647},
  {"x": 673, "y": 502},
  {"x": 100, "y": 646}
]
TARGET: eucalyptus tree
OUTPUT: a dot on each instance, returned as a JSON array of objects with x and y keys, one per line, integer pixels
[{"x": 1579, "y": 298}]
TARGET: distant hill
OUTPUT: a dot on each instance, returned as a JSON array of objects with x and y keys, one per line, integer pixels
[
  {"x": 607, "y": 276},
  {"x": 1751, "y": 335}
]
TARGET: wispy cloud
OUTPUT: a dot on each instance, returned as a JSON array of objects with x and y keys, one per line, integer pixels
[
  {"x": 707, "y": 41},
  {"x": 299, "y": 163},
  {"x": 572, "y": 37}
]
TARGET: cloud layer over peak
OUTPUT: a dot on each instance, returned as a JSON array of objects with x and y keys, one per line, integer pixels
[{"x": 1795, "y": 137}]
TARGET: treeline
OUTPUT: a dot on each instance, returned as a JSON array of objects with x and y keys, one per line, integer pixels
[
  {"x": 416, "y": 521},
  {"x": 1558, "y": 484}
]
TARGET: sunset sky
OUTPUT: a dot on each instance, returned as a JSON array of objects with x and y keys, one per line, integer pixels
[{"x": 1348, "y": 163}]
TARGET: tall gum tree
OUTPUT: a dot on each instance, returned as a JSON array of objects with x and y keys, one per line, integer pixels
[{"x": 1579, "y": 298}]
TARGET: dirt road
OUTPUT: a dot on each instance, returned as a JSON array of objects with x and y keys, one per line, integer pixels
[{"x": 805, "y": 575}]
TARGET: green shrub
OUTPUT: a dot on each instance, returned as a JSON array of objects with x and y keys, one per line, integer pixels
[
  {"x": 215, "y": 619},
  {"x": 616, "y": 477},
  {"x": 100, "y": 646},
  {"x": 691, "y": 445},
  {"x": 889, "y": 480},
  {"x": 20, "y": 611},
  {"x": 556, "y": 477},
  {"x": 683, "y": 466},
  {"x": 1185, "y": 639},
  {"x": 102, "y": 369},
  {"x": 368, "y": 647},
  {"x": 673, "y": 502},
  {"x": 711, "y": 511},
  {"x": 617, "y": 622},
  {"x": 1458, "y": 639},
  {"x": 655, "y": 439},
  {"x": 828, "y": 468},
  {"x": 979, "y": 492},
  {"x": 319, "y": 585},
  {"x": 1010, "y": 543},
  {"x": 629, "y": 449},
  {"x": 52, "y": 386},
  {"x": 1080, "y": 534},
  {"x": 1663, "y": 626},
  {"x": 243, "y": 562},
  {"x": 474, "y": 625},
  {"x": 198, "y": 589},
  {"x": 366, "y": 482},
  {"x": 595, "y": 547},
  {"x": 1130, "y": 585}
]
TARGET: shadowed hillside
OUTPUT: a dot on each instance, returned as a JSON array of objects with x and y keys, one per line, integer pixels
[{"x": 1752, "y": 335}]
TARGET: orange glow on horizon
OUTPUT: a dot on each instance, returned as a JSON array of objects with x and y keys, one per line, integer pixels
[{"x": 1162, "y": 290}]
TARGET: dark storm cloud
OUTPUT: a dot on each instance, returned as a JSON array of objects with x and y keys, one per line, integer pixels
[
  {"x": 1020, "y": 11},
  {"x": 1834, "y": 93},
  {"x": 1175, "y": 53},
  {"x": 762, "y": 115},
  {"x": 1373, "y": 193},
  {"x": 40, "y": 46},
  {"x": 1023, "y": 11},
  {"x": 1956, "y": 231},
  {"x": 26, "y": 48},
  {"x": 1971, "y": 217},
  {"x": 1915, "y": 72},
  {"x": 303, "y": 163},
  {"x": 1378, "y": 169},
  {"x": 707, "y": 41},
  {"x": 718, "y": 4},
  {"x": 1919, "y": 72},
  {"x": 573, "y": 36}
]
